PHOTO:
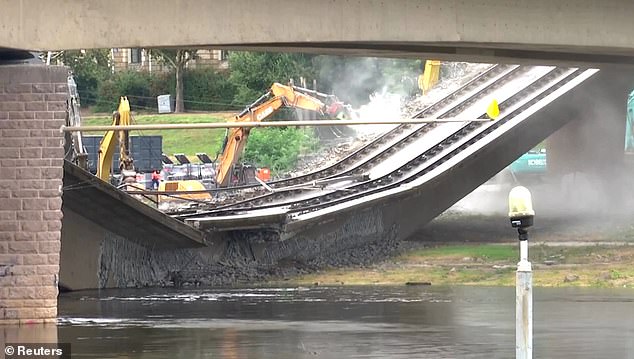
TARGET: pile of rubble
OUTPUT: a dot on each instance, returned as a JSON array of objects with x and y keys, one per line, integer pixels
[{"x": 329, "y": 154}]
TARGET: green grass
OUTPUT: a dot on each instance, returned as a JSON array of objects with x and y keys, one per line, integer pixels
[
  {"x": 188, "y": 142},
  {"x": 277, "y": 148},
  {"x": 491, "y": 252}
]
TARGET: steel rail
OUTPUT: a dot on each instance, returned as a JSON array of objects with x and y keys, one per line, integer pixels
[
  {"x": 387, "y": 182},
  {"x": 361, "y": 167},
  {"x": 331, "y": 170},
  {"x": 403, "y": 174}
]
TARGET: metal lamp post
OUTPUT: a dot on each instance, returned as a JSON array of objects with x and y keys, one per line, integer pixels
[{"x": 521, "y": 214}]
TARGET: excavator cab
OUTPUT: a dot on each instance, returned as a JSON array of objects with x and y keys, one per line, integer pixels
[{"x": 243, "y": 174}]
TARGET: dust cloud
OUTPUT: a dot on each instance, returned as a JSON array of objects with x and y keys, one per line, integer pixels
[{"x": 382, "y": 106}]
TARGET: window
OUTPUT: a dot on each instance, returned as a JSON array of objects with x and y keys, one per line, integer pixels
[
  {"x": 135, "y": 56},
  {"x": 224, "y": 55}
]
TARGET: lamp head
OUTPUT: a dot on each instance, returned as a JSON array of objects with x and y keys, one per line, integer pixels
[{"x": 521, "y": 210}]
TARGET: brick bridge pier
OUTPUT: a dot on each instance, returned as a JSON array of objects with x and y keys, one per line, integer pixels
[{"x": 32, "y": 109}]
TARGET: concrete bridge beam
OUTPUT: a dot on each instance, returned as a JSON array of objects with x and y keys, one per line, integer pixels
[
  {"x": 487, "y": 30},
  {"x": 32, "y": 109}
]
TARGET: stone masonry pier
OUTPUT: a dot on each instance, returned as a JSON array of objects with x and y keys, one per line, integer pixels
[{"x": 32, "y": 109}]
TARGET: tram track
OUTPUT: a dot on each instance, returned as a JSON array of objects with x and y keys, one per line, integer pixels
[
  {"x": 235, "y": 195},
  {"x": 423, "y": 163},
  {"x": 431, "y": 159},
  {"x": 362, "y": 160}
]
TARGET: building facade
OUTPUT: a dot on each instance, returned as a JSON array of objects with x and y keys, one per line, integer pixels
[{"x": 143, "y": 60}]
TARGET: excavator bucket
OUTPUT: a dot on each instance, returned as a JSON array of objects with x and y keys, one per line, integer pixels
[
  {"x": 340, "y": 111},
  {"x": 124, "y": 111}
]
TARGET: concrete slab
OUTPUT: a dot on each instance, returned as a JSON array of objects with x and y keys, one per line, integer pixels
[{"x": 120, "y": 213}]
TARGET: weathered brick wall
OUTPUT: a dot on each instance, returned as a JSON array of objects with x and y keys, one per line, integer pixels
[{"x": 32, "y": 110}]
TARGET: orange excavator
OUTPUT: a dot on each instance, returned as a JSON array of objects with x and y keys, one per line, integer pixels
[{"x": 278, "y": 96}]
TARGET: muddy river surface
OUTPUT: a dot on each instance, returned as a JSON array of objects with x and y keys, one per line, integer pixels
[{"x": 344, "y": 322}]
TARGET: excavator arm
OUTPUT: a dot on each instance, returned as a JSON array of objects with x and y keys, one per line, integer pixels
[
  {"x": 236, "y": 138},
  {"x": 278, "y": 96},
  {"x": 106, "y": 148}
]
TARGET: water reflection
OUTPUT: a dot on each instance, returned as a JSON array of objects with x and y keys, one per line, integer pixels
[{"x": 342, "y": 322}]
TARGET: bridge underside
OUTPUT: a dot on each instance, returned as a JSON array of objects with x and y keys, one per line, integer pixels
[
  {"x": 541, "y": 31},
  {"x": 457, "y": 51},
  {"x": 110, "y": 208}
]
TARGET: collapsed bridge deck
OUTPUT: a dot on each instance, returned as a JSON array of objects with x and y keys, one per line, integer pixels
[
  {"x": 122, "y": 214},
  {"x": 384, "y": 191},
  {"x": 414, "y": 161},
  {"x": 403, "y": 163}
]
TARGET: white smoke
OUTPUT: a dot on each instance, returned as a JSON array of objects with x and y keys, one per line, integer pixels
[{"x": 382, "y": 106}]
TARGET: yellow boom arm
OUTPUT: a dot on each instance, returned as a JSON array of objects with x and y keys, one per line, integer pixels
[
  {"x": 278, "y": 96},
  {"x": 106, "y": 148}
]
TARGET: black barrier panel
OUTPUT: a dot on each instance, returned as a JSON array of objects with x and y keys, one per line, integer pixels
[{"x": 146, "y": 151}]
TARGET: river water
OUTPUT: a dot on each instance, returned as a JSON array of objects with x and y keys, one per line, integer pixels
[{"x": 344, "y": 322}]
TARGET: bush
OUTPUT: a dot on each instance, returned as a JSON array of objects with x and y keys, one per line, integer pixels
[
  {"x": 140, "y": 87},
  {"x": 278, "y": 148},
  {"x": 207, "y": 90}
]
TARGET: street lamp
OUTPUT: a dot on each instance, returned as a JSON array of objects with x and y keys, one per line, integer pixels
[{"x": 521, "y": 214}]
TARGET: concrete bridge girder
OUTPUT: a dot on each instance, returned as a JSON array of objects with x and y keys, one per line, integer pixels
[{"x": 485, "y": 30}]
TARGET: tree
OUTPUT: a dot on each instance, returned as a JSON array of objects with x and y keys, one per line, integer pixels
[
  {"x": 177, "y": 59},
  {"x": 279, "y": 148},
  {"x": 253, "y": 73},
  {"x": 90, "y": 68}
]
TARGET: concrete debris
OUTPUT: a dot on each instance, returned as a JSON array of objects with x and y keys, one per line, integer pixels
[{"x": 329, "y": 154}]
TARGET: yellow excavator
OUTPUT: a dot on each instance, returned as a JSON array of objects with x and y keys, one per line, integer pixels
[
  {"x": 430, "y": 75},
  {"x": 121, "y": 117},
  {"x": 228, "y": 171}
]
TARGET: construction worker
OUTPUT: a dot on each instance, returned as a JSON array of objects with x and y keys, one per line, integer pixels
[{"x": 156, "y": 177}]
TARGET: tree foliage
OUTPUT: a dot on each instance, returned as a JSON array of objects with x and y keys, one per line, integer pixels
[
  {"x": 208, "y": 90},
  {"x": 90, "y": 68},
  {"x": 253, "y": 73},
  {"x": 177, "y": 59},
  {"x": 278, "y": 148},
  {"x": 140, "y": 87}
]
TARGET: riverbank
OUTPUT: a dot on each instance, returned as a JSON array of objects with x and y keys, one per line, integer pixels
[
  {"x": 597, "y": 265},
  {"x": 464, "y": 249}
]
